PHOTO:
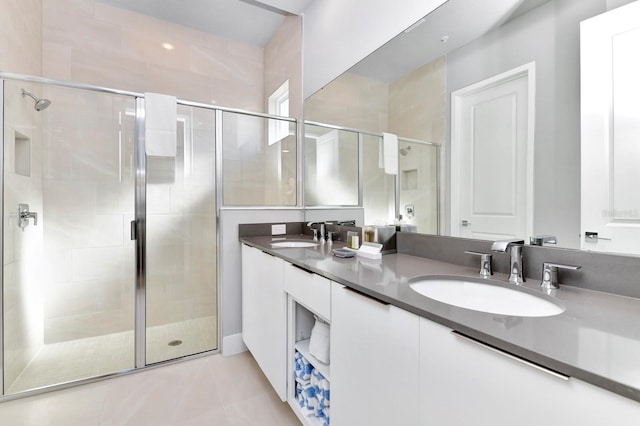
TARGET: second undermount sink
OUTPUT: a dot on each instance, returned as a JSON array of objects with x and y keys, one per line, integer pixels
[
  {"x": 485, "y": 297},
  {"x": 291, "y": 244}
]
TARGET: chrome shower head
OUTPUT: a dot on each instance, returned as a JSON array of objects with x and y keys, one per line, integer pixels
[
  {"x": 40, "y": 103},
  {"x": 405, "y": 151}
]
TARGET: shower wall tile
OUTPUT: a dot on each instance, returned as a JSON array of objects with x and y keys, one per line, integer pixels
[
  {"x": 68, "y": 28},
  {"x": 165, "y": 260},
  {"x": 167, "y": 230},
  {"x": 283, "y": 61},
  {"x": 202, "y": 199},
  {"x": 61, "y": 197},
  {"x": 114, "y": 198},
  {"x": 73, "y": 327},
  {"x": 58, "y": 264},
  {"x": 202, "y": 232},
  {"x": 415, "y": 116},
  {"x": 203, "y": 170},
  {"x": 158, "y": 199},
  {"x": 21, "y": 32},
  {"x": 22, "y": 271},
  {"x": 411, "y": 113},
  {"x": 100, "y": 263},
  {"x": 351, "y": 101},
  {"x": 91, "y": 42},
  {"x": 79, "y": 230}
]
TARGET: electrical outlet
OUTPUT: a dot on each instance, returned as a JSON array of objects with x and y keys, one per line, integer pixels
[{"x": 278, "y": 229}]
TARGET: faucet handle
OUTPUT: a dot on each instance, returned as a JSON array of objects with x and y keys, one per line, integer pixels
[
  {"x": 542, "y": 240},
  {"x": 550, "y": 274},
  {"x": 485, "y": 263},
  {"x": 503, "y": 245},
  {"x": 331, "y": 236}
]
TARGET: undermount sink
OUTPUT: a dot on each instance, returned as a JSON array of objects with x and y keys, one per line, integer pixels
[
  {"x": 485, "y": 297},
  {"x": 290, "y": 244}
]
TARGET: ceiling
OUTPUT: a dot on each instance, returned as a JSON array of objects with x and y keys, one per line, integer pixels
[
  {"x": 247, "y": 21},
  {"x": 460, "y": 21}
]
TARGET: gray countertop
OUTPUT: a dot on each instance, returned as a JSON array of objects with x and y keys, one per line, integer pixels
[{"x": 596, "y": 339}]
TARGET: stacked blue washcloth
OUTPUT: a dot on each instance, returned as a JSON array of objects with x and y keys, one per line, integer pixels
[
  {"x": 312, "y": 389},
  {"x": 322, "y": 393},
  {"x": 303, "y": 368}
]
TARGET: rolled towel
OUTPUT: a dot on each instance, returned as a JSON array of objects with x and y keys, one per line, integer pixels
[{"x": 319, "y": 343}]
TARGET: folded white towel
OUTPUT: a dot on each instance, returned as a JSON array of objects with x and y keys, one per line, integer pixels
[
  {"x": 160, "y": 125},
  {"x": 319, "y": 343},
  {"x": 390, "y": 142}
]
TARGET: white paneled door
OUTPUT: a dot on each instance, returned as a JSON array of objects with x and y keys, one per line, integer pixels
[{"x": 492, "y": 157}]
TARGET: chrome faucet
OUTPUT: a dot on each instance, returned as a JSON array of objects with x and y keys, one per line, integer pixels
[
  {"x": 319, "y": 232},
  {"x": 516, "y": 267},
  {"x": 550, "y": 274}
]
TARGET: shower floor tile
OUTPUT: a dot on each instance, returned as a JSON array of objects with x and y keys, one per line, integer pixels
[{"x": 96, "y": 356}]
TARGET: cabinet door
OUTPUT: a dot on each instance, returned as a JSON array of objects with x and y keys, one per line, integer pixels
[
  {"x": 264, "y": 315},
  {"x": 464, "y": 383},
  {"x": 374, "y": 362}
]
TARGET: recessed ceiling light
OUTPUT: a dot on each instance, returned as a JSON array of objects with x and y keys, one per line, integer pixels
[
  {"x": 167, "y": 46},
  {"x": 444, "y": 39}
]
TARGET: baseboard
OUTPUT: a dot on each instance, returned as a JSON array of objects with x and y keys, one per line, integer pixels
[{"x": 233, "y": 344}]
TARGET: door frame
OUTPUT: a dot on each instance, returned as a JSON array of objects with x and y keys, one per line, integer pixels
[{"x": 457, "y": 101}]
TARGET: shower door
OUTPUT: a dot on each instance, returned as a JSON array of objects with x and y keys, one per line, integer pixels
[
  {"x": 69, "y": 262},
  {"x": 109, "y": 253},
  {"x": 181, "y": 273}
]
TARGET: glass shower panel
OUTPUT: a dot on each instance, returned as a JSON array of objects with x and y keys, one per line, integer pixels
[
  {"x": 418, "y": 171},
  {"x": 68, "y": 264},
  {"x": 258, "y": 161},
  {"x": 378, "y": 187},
  {"x": 331, "y": 166},
  {"x": 181, "y": 242}
]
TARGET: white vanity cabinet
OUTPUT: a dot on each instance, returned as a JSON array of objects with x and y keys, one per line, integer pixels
[
  {"x": 309, "y": 298},
  {"x": 374, "y": 361},
  {"x": 463, "y": 382},
  {"x": 264, "y": 314}
]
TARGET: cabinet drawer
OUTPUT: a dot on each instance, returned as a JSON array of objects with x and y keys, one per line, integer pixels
[{"x": 309, "y": 289}]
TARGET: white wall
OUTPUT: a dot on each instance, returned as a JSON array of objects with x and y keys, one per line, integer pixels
[
  {"x": 230, "y": 285},
  {"x": 338, "y": 34}
]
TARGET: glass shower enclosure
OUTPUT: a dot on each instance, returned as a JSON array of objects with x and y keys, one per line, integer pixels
[{"x": 109, "y": 254}]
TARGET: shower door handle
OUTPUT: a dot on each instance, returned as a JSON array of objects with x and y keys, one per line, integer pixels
[
  {"x": 24, "y": 215},
  {"x": 134, "y": 230}
]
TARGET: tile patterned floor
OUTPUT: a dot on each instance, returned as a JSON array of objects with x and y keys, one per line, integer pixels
[
  {"x": 213, "y": 390},
  {"x": 96, "y": 356}
]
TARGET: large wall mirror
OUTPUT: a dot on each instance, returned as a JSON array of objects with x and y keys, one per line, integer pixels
[{"x": 497, "y": 85}]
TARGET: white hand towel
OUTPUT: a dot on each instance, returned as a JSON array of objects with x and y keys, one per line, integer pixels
[
  {"x": 160, "y": 125},
  {"x": 390, "y": 142},
  {"x": 319, "y": 343}
]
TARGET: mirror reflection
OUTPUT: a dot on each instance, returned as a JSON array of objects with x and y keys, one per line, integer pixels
[{"x": 498, "y": 85}]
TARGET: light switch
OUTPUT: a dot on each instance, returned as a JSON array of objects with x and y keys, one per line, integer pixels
[{"x": 278, "y": 229}]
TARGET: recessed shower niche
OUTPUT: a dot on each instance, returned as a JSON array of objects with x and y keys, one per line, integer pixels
[{"x": 22, "y": 160}]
